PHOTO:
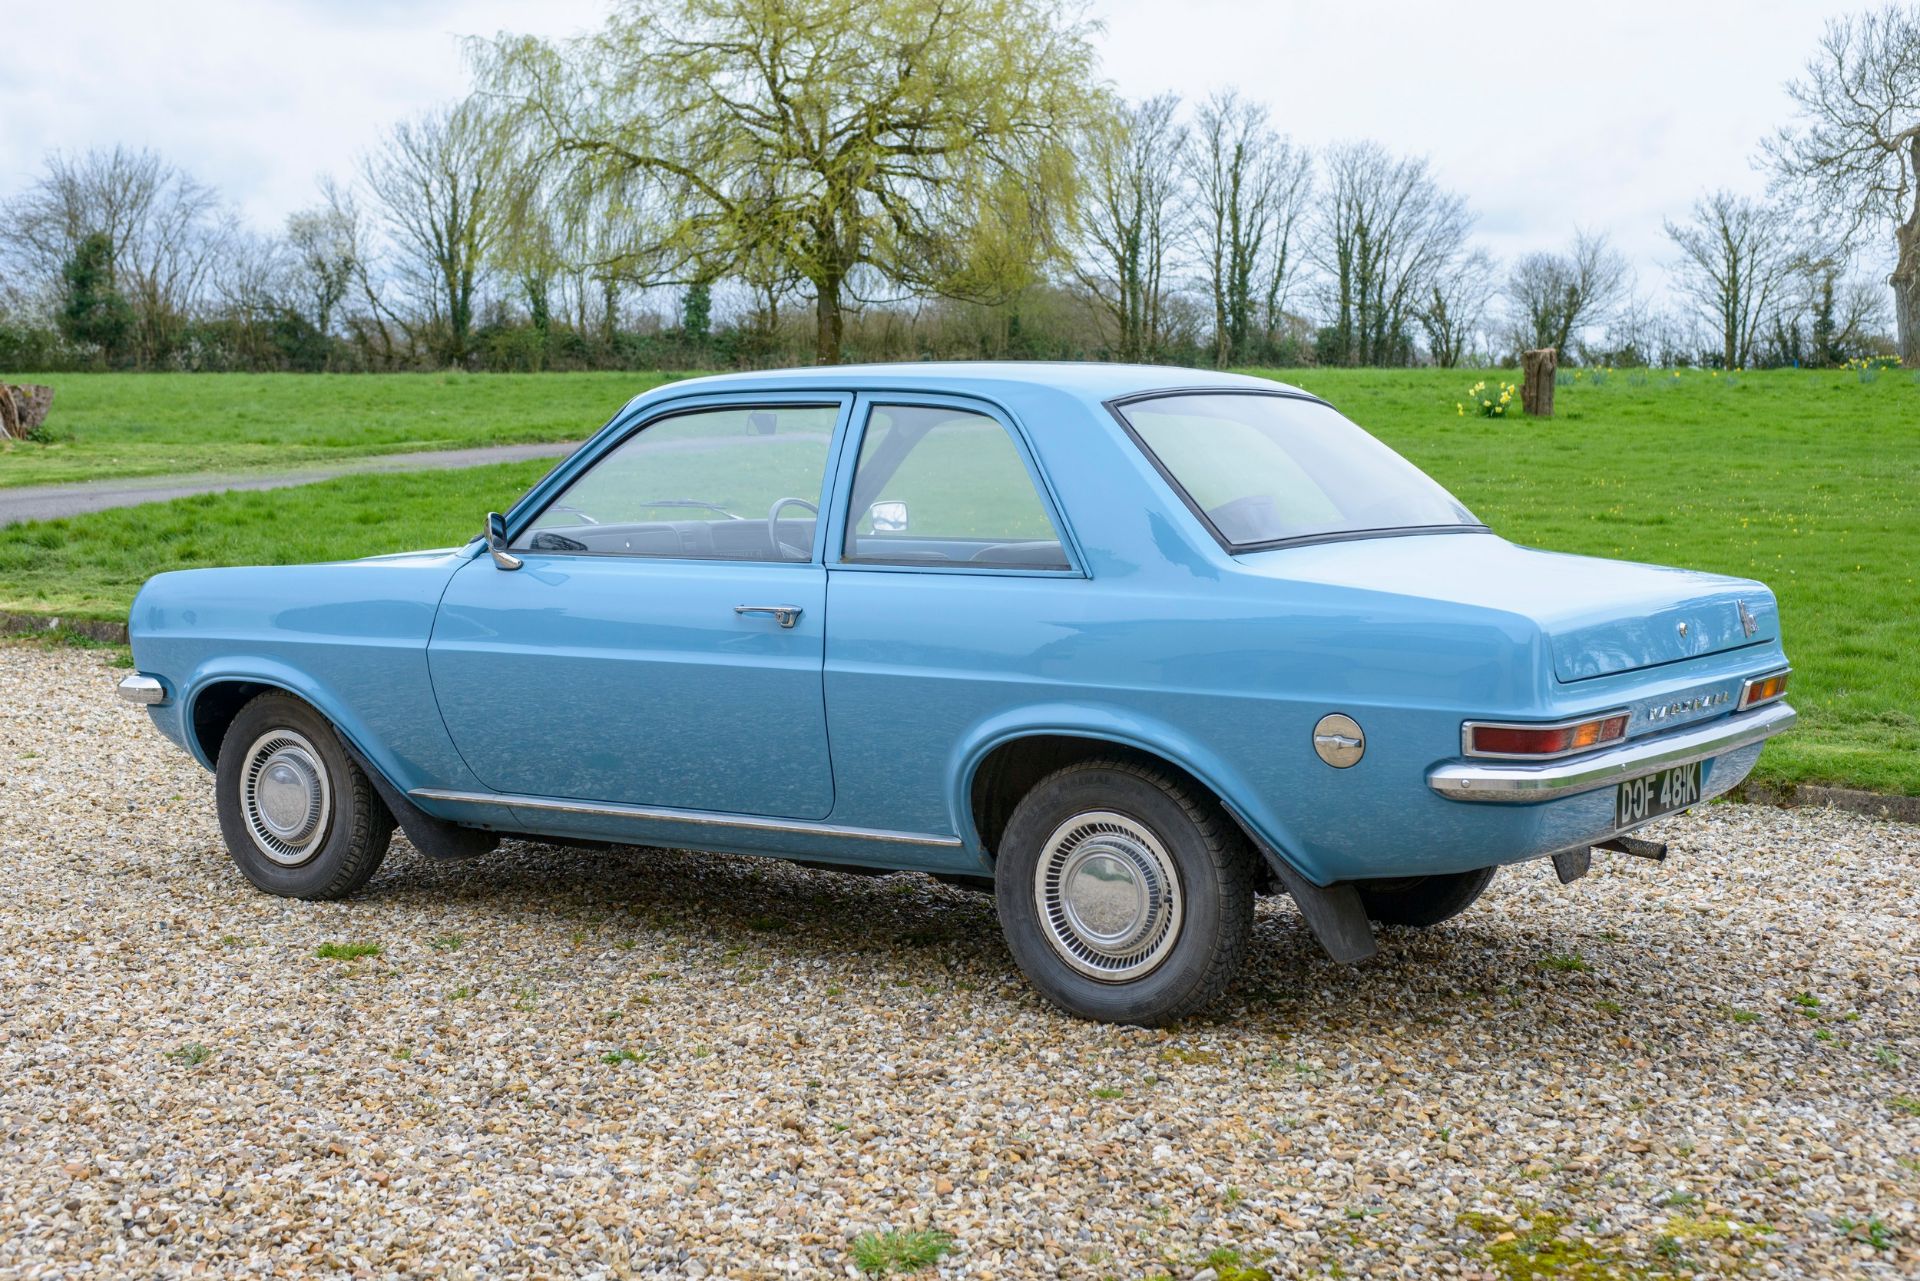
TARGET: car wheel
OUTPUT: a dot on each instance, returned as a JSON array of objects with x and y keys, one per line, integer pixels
[
  {"x": 300, "y": 818},
  {"x": 1125, "y": 896},
  {"x": 1420, "y": 901}
]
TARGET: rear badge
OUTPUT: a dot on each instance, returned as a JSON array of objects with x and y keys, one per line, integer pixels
[
  {"x": 1748, "y": 623},
  {"x": 1698, "y": 703}
]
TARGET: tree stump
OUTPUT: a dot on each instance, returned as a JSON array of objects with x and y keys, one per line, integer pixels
[
  {"x": 1536, "y": 381},
  {"x": 23, "y": 407}
]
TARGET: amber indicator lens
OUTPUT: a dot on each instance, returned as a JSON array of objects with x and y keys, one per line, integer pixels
[
  {"x": 1766, "y": 689},
  {"x": 1547, "y": 740}
]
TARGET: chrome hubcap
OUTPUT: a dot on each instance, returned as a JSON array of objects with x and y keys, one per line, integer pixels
[
  {"x": 1108, "y": 895},
  {"x": 285, "y": 797}
]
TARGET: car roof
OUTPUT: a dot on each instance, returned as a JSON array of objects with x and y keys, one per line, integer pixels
[{"x": 1091, "y": 380}]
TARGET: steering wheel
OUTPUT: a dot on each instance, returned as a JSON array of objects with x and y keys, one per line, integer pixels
[{"x": 787, "y": 550}]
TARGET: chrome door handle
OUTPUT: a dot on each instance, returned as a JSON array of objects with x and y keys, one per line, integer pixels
[{"x": 787, "y": 615}]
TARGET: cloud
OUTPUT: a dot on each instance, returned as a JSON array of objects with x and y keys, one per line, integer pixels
[
  {"x": 257, "y": 99},
  {"x": 1547, "y": 117}
]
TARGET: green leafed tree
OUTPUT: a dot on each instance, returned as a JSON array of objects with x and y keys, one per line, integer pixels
[
  {"x": 93, "y": 312},
  {"x": 828, "y": 140},
  {"x": 696, "y": 311}
]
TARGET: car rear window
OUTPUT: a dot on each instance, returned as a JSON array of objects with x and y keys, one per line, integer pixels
[{"x": 1268, "y": 469}]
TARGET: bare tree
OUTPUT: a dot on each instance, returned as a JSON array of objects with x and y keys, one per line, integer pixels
[
  {"x": 1249, "y": 185},
  {"x": 1455, "y": 307},
  {"x": 1553, "y": 297},
  {"x": 1850, "y": 316},
  {"x": 165, "y": 232},
  {"x": 324, "y": 245},
  {"x": 1383, "y": 230},
  {"x": 1737, "y": 260},
  {"x": 1825, "y": 316},
  {"x": 440, "y": 183},
  {"x": 1131, "y": 218},
  {"x": 250, "y": 283},
  {"x": 366, "y": 314},
  {"x": 1290, "y": 168},
  {"x": 1853, "y": 157}
]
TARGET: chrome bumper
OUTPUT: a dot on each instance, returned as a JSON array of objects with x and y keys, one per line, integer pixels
[
  {"x": 1513, "y": 782},
  {"x": 145, "y": 690}
]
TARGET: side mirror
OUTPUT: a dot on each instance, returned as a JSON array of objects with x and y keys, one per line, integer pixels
[
  {"x": 497, "y": 543},
  {"x": 888, "y": 517}
]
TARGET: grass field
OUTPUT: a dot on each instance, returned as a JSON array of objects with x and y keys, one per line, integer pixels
[
  {"x": 118, "y": 425},
  {"x": 1808, "y": 481}
]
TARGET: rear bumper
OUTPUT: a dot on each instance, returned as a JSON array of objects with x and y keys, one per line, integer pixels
[{"x": 1508, "y": 782}]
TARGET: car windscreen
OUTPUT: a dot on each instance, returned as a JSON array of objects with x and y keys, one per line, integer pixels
[{"x": 1266, "y": 469}]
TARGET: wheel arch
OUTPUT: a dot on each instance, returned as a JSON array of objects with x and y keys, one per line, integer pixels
[
  {"x": 216, "y": 695},
  {"x": 1005, "y": 763},
  {"x": 215, "y": 701},
  {"x": 213, "y": 710},
  {"x": 1004, "y": 760}
]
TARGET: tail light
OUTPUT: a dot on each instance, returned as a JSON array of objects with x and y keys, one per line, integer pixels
[
  {"x": 1764, "y": 689},
  {"x": 1542, "y": 742}
]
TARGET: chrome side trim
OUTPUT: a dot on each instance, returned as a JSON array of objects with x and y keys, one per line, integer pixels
[
  {"x": 661, "y": 814},
  {"x": 1515, "y": 783},
  {"x": 145, "y": 690}
]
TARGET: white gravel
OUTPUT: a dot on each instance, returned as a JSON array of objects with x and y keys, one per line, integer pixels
[{"x": 1625, "y": 1077}]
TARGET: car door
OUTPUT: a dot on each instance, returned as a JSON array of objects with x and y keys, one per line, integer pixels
[
  {"x": 662, "y": 642},
  {"x": 955, "y": 594}
]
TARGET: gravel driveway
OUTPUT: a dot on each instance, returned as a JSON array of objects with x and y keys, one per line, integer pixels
[{"x": 563, "y": 1063}]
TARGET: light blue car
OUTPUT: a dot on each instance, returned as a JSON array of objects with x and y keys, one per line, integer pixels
[{"x": 1124, "y": 646}]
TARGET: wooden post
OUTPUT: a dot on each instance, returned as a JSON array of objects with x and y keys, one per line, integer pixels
[
  {"x": 1536, "y": 381},
  {"x": 23, "y": 407}
]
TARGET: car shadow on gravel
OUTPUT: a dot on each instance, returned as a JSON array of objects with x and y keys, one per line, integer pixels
[
  {"x": 699, "y": 899},
  {"x": 1523, "y": 953},
  {"x": 699, "y": 895}
]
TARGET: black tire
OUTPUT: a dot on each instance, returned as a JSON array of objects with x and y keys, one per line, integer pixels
[
  {"x": 1184, "y": 963},
  {"x": 1420, "y": 901},
  {"x": 341, "y": 848}
]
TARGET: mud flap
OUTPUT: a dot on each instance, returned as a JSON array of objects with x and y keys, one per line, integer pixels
[
  {"x": 1571, "y": 865},
  {"x": 1335, "y": 916},
  {"x": 436, "y": 838}
]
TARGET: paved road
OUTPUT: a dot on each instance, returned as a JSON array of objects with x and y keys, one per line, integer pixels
[{"x": 45, "y": 502}]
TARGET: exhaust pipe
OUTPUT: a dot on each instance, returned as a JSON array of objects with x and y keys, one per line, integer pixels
[{"x": 1654, "y": 851}]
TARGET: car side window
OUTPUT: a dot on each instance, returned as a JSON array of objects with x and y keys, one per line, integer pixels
[
  {"x": 937, "y": 485},
  {"x": 737, "y": 483}
]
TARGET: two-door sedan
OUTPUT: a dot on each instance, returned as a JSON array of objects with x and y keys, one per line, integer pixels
[{"x": 1126, "y": 645}]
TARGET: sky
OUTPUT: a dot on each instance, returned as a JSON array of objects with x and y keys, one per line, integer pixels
[{"x": 1545, "y": 116}]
